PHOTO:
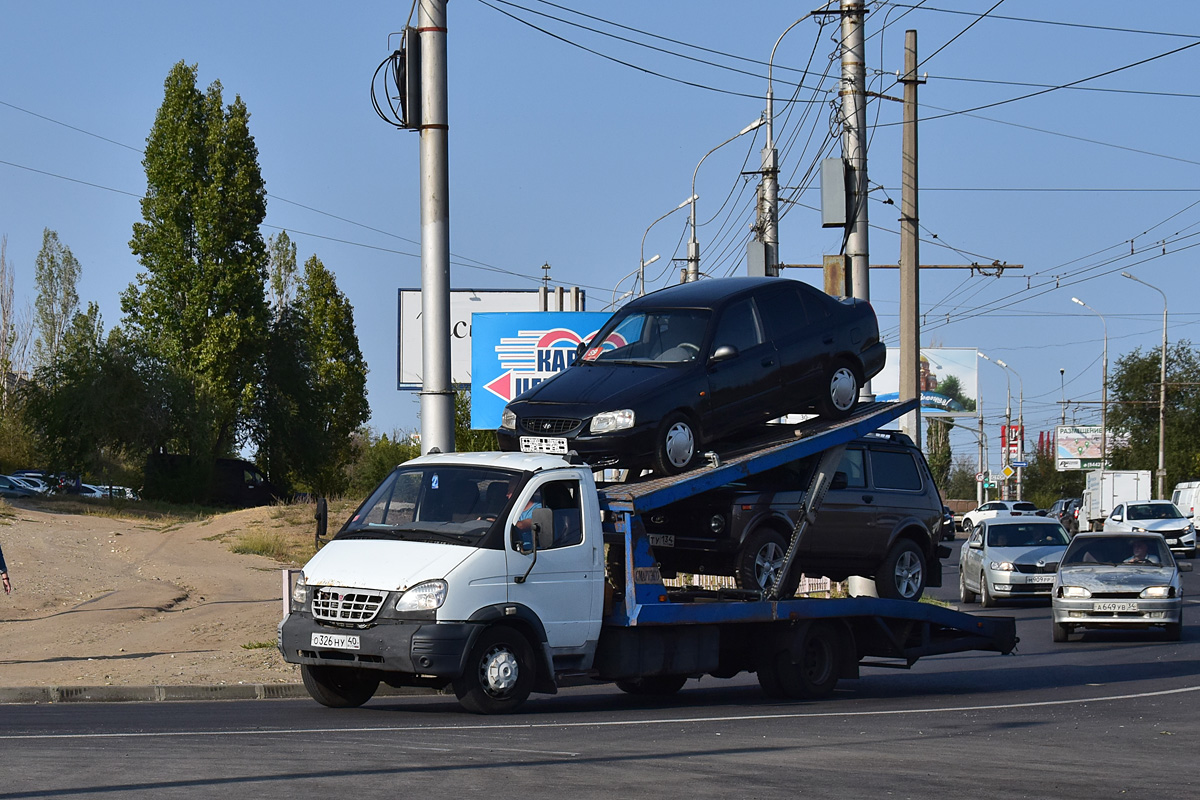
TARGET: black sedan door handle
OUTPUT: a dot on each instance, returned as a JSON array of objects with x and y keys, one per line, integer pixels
[
  {"x": 828, "y": 339},
  {"x": 868, "y": 498},
  {"x": 768, "y": 362}
]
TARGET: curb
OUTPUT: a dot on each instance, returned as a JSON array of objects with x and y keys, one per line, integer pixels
[{"x": 142, "y": 694}]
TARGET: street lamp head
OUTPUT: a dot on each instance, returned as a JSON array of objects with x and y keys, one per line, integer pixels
[
  {"x": 691, "y": 199},
  {"x": 758, "y": 123},
  {"x": 983, "y": 355},
  {"x": 1127, "y": 275},
  {"x": 1078, "y": 301},
  {"x": 1001, "y": 363},
  {"x": 652, "y": 259}
]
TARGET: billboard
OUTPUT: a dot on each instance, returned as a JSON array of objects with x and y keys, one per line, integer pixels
[
  {"x": 1077, "y": 447},
  {"x": 513, "y": 352},
  {"x": 949, "y": 380},
  {"x": 463, "y": 303}
]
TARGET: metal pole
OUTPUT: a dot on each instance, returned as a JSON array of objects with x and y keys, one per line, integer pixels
[
  {"x": 1162, "y": 394},
  {"x": 980, "y": 491},
  {"x": 1103, "y": 387},
  {"x": 910, "y": 255},
  {"x": 643, "y": 262},
  {"x": 1020, "y": 425},
  {"x": 437, "y": 391},
  {"x": 854, "y": 143},
  {"x": 769, "y": 198}
]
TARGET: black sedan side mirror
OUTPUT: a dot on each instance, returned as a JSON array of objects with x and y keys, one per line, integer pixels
[{"x": 723, "y": 353}]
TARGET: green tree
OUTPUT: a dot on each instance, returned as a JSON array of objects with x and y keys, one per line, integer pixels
[
  {"x": 961, "y": 484},
  {"x": 338, "y": 383},
  {"x": 937, "y": 447},
  {"x": 282, "y": 269},
  {"x": 1133, "y": 397},
  {"x": 56, "y": 274},
  {"x": 467, "y": 440},
  {"x": 199, "y": 309}
]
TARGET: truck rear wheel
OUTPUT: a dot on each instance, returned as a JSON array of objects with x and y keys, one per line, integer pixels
[
  {"x": 656, "y": 685},
  {"x": 339, "y": 687},
  {"x": 499, "y": 674},
  {"x": 814, "y": 674}
]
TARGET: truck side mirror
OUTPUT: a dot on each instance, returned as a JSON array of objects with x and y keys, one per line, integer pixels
[
  {"x": 543, "y": 527},
  {"x": 322, "y": 518}
]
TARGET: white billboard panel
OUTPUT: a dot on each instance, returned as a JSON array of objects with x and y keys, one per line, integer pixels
[
  {"x": 463, "y": 303},
  {"x": 949, "y": 380}
]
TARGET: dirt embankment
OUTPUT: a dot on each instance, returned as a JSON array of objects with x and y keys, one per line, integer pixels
[{"x": 105, "y": 601}]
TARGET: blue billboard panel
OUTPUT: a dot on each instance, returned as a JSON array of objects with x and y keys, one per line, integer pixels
[{"x": 515, "y": 351}]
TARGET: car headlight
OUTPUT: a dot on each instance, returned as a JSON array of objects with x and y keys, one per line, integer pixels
[
  {"x": 717, "y": 523},
  {"x": 508, "y": 420},
  {"x": 608, "y": 421},
  {"x": 1136, "y": 529},
  {"x": 1191, "y": 528},
  {"x": 1002, "y": 566},
  {"x": 1077, "y": 592},
  {"x": 1156, "y": 591},
  {"x": 425, "y": 596},
  {"x": 300, "y": 591}
]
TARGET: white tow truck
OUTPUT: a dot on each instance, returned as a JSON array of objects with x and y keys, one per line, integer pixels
[{"x": 502, "y": 574}]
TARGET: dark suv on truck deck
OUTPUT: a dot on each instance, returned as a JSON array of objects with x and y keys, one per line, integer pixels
[{"x": 881, "y": 519}]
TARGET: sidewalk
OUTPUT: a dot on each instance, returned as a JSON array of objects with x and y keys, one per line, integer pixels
[{"x": 143, "y": 694}]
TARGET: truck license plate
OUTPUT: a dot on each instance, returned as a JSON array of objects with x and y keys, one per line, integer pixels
[
  {"x": 336, "y": 641},
  {"x": 544, "y": 444},
  {"x": 1041, "y": 579},
  {"x": 1114, "y": 607}
]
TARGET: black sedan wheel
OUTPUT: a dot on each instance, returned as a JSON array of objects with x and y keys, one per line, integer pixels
[
  {"x": 840, "y": 394},
  {"x": 677, "y": 445}
]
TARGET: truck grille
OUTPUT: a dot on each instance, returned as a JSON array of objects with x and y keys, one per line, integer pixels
[
  {"x": 549, "y": 426},
  {"x": 346, "y": 605}
]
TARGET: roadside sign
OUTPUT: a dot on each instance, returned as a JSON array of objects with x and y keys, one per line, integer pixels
[
  {"x": 1008, "y": 471},
  {"x": 980, "y": 477},
  {"x": 1020, "y": 464}
]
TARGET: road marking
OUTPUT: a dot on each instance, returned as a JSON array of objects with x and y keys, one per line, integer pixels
[{"x": 606, "y": 724}]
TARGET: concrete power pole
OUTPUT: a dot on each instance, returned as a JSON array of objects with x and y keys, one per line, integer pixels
[
  {"x": 854, "y": 144},
  {"x": 910, "y": 254},
  {"x": 437, "y": 390}
]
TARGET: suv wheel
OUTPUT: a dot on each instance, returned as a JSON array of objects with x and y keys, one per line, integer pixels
[
  {"x": 760, "y": 561},
  {"x": 902, "y": 574}
]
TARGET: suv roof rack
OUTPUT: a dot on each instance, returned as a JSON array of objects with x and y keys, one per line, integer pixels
[{"x": 897, "y": 437}]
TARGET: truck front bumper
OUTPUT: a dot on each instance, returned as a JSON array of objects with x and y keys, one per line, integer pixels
[{"x": 422, "y": 648}]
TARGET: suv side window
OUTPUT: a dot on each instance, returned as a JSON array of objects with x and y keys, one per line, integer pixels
[
  {"x": 852, "y": 465},
  {"x": 893, "y": 470}
]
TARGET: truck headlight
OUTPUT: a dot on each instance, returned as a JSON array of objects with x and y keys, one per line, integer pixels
[
  {"x": 608, "y": 421},
  {"x": 1076, "y": 592},
  {"x": 300, "y": 592},
  {"x": 1156, "y": 592},
  {"x": 425, "y": 596},
  {"x": 508, "y": 420}
]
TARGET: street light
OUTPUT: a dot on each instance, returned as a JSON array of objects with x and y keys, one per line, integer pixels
[
  {"x": 644, "y": 263},
  {"x": 1103, "y": 387},
  {"x": 1162, "y": 392},
  {"x": 1007, "y": 409},
  {"x": 693, "y": 267},
  {"x": 1020, "y": 425}
]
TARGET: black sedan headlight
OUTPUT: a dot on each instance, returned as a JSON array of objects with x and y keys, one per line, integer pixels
[{"x": 609, "y": 421}]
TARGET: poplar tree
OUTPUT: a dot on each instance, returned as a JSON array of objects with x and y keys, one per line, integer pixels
[
  {"x": 200, "y": 307},
  {"x": 56, "y": 274}
]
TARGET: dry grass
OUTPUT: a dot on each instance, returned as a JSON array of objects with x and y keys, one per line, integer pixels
[
  {"x": 290, "y": 538},
  {"x": 167, "y": 514}
]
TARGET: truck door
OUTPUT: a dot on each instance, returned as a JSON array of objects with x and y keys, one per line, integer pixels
[{"x": 565, "y": 585}]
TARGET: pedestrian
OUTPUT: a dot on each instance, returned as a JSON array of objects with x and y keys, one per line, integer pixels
[{"x": 4, "y": 574}]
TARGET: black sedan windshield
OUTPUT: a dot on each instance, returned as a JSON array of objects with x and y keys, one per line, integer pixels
[{"x": 670, "y": 335}]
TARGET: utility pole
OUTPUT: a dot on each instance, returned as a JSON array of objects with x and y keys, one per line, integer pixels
[
  {"x": 910, "y": 254},
  {"x": 437, "y": 391},
  {"x": 854, "y": 143}
]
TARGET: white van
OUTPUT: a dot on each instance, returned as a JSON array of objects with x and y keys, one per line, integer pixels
[{"x": 1186, "y": 496}]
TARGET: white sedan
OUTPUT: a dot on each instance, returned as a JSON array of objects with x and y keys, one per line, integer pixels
[
  {"x": 1155, "y": 516},
  {"x": 997, "y": 508}
]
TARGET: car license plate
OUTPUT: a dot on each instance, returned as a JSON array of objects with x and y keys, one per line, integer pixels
[
  {"x": 661, "y": 540},
  {"x": 336, "y": 641},
  {"x": 544, "y": 444},
  {"x": 1172, "y": 543},
  {"x": 1114, "y": 607},
  {"x": 1040, "y": 579}
]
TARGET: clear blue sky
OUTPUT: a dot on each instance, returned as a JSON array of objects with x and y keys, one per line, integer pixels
[{"x": 565, "y": 156}]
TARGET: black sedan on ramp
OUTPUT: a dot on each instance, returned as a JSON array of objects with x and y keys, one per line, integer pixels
[{"x": 685, "y": 366}]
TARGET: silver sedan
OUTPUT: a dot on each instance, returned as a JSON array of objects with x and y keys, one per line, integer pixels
[
  {"x": 1008, "y": 557},
  {"x": 1118, "y": 580}
]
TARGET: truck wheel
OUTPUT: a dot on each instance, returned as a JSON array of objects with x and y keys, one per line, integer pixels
[
  {"x": 499, "y": 673},
  {"x": 964, "y": 594},
  {"x": 986, "y": 599},
  {"x": 902, "y": 574},
  {"x": 1061, "y": 631},
  {"x": 760, "y": 561},
  {"x": 840, "y": 394},
  {"x": 676, "y": 445},
  {"x": 769, "y": 679},
  {"x": 815, "y": 674},
  {"x": 653, "y": 685},
  {"x": 339, "y": 687}
]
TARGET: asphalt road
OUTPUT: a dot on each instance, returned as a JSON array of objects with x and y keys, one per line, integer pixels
[{"x": 1108, "y": 715}]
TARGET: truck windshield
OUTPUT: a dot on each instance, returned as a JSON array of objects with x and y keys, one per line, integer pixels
[{"x": 445, "y": 503}]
